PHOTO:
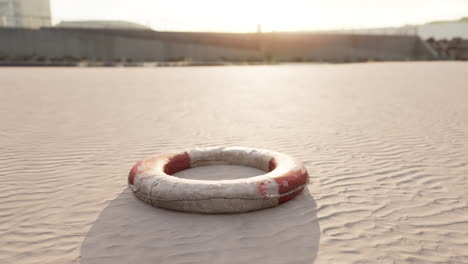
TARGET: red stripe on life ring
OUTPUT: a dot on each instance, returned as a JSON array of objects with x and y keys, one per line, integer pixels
[
  {"x": 177, "y": 163},
  {"x": 134, "y": 171},
  {"x": 291, "y": 181},
  {"x": 272, "y": 165}
]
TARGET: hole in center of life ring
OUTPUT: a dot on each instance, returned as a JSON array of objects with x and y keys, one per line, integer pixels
[{"x": 219, "y": 172}]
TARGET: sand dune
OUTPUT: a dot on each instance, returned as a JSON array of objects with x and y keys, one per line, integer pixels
[{"x": 386, "y": 145}]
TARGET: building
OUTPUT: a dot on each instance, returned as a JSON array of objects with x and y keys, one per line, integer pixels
[
  {"x": 25, "y": 13},
  {"x": 445, "y": 30}
]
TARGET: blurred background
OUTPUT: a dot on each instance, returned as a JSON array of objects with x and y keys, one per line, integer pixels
[{"x": 208, "y": 32}]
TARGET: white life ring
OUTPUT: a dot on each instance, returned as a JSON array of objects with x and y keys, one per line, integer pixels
[{"x": 151, "y": 180}]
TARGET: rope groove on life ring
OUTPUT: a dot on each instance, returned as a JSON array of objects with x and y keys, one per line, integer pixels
[{"x": 152, "y": 182}]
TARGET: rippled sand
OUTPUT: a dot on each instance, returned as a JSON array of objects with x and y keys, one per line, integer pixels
[{"x": 386, "y": 146}]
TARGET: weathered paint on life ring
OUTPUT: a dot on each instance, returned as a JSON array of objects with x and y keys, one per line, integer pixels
[{"x": 151, "y": 180}]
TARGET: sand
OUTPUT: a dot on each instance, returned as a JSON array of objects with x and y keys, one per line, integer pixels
[{"x": 386, "y": 145}]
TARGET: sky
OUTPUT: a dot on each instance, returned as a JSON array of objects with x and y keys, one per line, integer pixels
[{"x": 273, "y": 15}]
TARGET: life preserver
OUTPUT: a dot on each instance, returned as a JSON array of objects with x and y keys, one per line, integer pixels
[{"x": 151, "y": 180}]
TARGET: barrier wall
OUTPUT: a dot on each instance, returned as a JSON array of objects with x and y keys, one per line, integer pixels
[{"x": 145, "y": 45}]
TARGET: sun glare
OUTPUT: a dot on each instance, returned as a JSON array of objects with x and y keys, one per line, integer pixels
[{"x": 245, "y": 15}]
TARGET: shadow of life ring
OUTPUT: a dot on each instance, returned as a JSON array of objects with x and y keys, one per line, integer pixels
[{"x": 151, "y": 180}]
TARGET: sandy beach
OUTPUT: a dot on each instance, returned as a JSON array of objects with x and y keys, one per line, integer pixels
[{"x": 385, "y": 144}]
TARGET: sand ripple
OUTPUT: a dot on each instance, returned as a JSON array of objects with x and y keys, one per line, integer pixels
[{"x": 386, "y": 145}]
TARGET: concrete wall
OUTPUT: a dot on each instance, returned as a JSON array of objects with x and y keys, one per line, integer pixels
[
  {"x": 342, "y": 47},
  {"x": 105, "y": 47},
  {"x": 111, "y": 45}
]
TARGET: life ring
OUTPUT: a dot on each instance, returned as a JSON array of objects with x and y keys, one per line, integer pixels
[{"x": 151, "y": 180}]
